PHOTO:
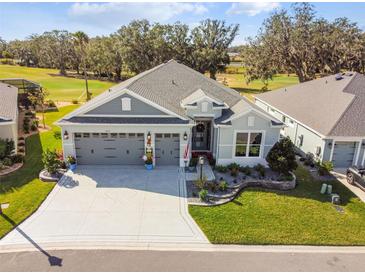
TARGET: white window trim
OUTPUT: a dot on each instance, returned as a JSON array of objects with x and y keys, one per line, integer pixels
[
  {"x": 262, "y": 146},
  {"x": 126, "y": 104}
]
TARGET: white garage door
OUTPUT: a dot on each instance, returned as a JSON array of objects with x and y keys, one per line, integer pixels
[{"x": 109, "y": 148}]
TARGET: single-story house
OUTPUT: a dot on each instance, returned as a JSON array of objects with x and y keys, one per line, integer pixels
[
  {"x": 8, "y": 112},
  {"x": 325, "y": 117},
  {"x": 173, "y": 110}
]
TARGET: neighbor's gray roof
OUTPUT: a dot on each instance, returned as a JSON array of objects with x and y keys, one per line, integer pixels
[
  {"x": 125, "y": 120},
  {"x": 8, "y": 102},
  {"x": 329, "y": 106}
]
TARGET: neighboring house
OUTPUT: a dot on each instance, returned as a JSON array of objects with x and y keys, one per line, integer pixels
[
  {"x": 9, "y": 112},
  {"x": 175, "y": 110},
  {"x": 325, "y": 117}
]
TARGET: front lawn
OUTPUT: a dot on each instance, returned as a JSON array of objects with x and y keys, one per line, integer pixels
[
  {"x": 22, "y": 189},
  {"x": 300, "y": 216}
]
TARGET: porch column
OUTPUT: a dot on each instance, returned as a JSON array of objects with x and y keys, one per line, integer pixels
[
  {"x": 357, "y": 154},
  {"x": 332, "y": 149}
]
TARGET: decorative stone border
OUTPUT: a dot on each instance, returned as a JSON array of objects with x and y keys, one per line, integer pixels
[
  {"x": 215, "y": 199},
  {"x": 11, "y": 169},
  {"x": 44, "y": 176}
]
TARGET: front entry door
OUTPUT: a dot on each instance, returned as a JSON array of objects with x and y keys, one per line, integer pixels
[{"x": 201, "y": 135}]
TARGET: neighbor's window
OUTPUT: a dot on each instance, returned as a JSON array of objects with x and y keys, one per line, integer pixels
[
  {"x": 126, "y": 104},
  {"x": 248, "y": 144}
]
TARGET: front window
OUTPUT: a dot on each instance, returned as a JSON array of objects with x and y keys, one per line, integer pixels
[{"x": 248, "y": 144}]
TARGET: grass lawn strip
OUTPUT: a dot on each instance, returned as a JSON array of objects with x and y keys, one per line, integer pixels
[
  {"x": 22, "y": 189},
  {"x": 60, "y": 88},
  {"x": 298, "y": 217}
]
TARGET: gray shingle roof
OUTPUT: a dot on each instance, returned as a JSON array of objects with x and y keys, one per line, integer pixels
[
  {"x": 125, "y": 120},
  {"x": 329, "y": 106},
  {"x": 168, "y": 84},
  {"x": 8, "y": 103}
]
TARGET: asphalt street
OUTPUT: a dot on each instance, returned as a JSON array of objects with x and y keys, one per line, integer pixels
[{"x": 119, "y": 260}]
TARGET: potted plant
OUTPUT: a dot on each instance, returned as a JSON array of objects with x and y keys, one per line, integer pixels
[
  {"x": 71, "y": 162},
  {"x": 148, "y": 161}
]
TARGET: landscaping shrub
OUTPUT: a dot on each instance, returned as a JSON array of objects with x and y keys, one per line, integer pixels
[
  {"x": 212, "y": 186},
  {"x": 17, "y": 158},
  {"x": 21, "y": 138},
  {"x": 260, "y": 170},
  {"x": 281, "y": 157},
  {"x": 234, "y": 172},
  {"x": 51, "y": 104},
  {"x": 50, "y": 161},
  {"x": 26, "y": 126},
  {"x": 201, "y": 183},
  {"x": 6, "y": 148},
  {"x": 33, "y": 127},
  {"x": 233, "y": 166},
  {"x": 57, "y": 135},
  {"x": 223, "y": 185},
  {"x": 246, "y": 170},
  {"x": 324, "y": 168},
  {"x": 1, "y": 165},
  {"x": 72, "y": 160},
  {"x": 309, "y": 159},
  {"x": 220, "y": 168},
  {"x": 203, "y": 194},
  {"x": 75, "y": 101},
  {"x": 21, "y": 149},
  {"x": 7, "y": 162},
  {"x": 285, "y": 178}
]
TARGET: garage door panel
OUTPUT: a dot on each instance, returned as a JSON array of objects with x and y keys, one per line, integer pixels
[
  {"x": 167, "y": 149},
  {"x": 110, "y": 149},
  {"x": 343, "y": 154}
]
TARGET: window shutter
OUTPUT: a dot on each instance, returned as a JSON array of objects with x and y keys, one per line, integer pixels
[
  {"x": 126, "y": 104},
  {"x": 251, "y": 121}
]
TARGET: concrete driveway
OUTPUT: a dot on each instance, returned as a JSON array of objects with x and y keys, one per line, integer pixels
[{"x": 113, "y": 204}]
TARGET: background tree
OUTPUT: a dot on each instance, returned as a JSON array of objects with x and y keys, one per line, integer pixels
[
  {"x": 81, "y": 40},
  {"x": 303, "y": 44},
  {"x": 211, "y": 40}
]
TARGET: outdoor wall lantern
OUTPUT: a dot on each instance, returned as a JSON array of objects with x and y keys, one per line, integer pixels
[
  {"x": 185, "y": 136},
  {"x": 149, "y": 136},
  {"x": 65, "y": 135},
  {"x": 330, "y": 144}
]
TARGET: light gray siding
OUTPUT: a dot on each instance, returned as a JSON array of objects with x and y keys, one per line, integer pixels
[
  {"x": 226, "y": 146},
  {"x": 9, "y": 131},
  {"x": 197, "y": 111},
  {"x": 114, "y": 107}
]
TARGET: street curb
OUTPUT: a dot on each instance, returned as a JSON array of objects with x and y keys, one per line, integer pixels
[{"x": 183, "y": 247}]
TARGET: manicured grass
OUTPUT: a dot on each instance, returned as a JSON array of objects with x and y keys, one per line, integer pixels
[
  {"x": 237, "y": 81},
  {"x": 22, "y": 189},
  {"x": 300, "y": 216},
  {"x": 60, "y": 88}
]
